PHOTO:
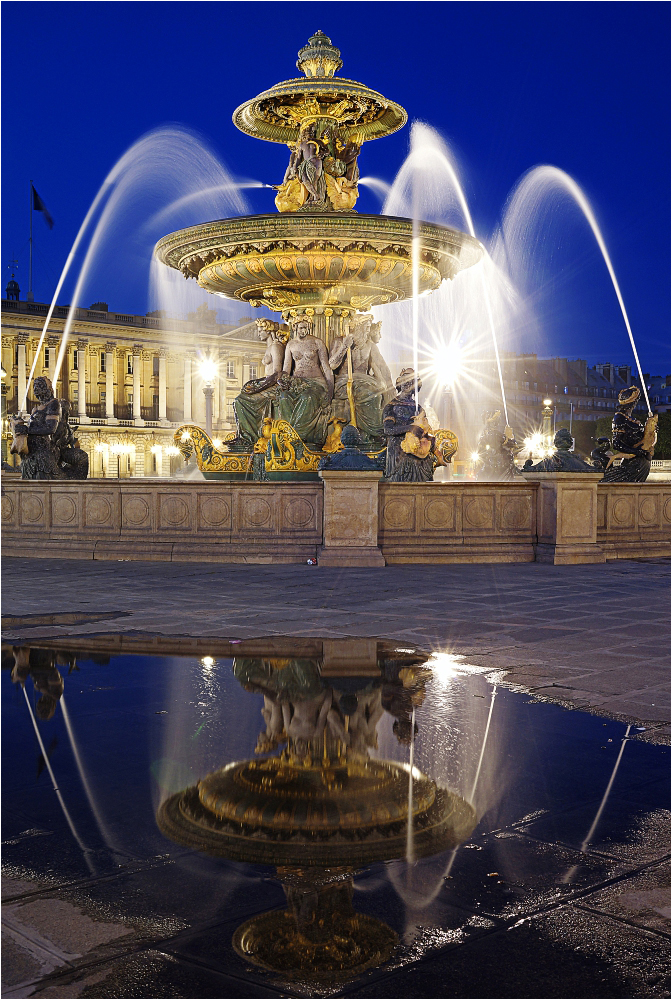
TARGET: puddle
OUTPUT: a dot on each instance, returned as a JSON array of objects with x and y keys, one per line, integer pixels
[{"x": 315, "y": 816}]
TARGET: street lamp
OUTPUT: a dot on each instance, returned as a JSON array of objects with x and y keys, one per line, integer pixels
[
  {"x": 208, "y": 371},
  {"x": 546, "y": 423}
]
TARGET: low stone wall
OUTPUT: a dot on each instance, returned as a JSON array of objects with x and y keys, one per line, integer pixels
[
  {"x": 164, "y": 521},
  {"x": 457, "y": 522},
  {"x": 344, "y": 521},
  {"x": 633, "y": 520}
]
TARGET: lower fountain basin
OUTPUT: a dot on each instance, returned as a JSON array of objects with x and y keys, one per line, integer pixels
[{"x": 338, "y": 260}]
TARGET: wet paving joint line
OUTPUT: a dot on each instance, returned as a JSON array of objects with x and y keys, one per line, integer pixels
[{"x": 624, "y": 920}]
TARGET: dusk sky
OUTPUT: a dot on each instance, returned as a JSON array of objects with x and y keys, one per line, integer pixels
[{"x": 582, "y": 86}]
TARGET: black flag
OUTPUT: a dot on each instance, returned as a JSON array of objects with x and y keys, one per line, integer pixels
[{"x": 39, "y": 206}]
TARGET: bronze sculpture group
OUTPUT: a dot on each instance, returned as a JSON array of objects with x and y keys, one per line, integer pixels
[
  {"x": 322, "y": 173},
  {"x": 45, "y": 440}
]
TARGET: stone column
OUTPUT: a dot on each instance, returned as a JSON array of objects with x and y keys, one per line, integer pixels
[
  {"x": 81, "y": 382},
  {"x": 53, "y": 345},
  {"x": 186, "y": 416},
  {"x": 21, "y": 378},
  {"x": 567, "y": 517},
  {"x": 137, "y": 390},
  {"x": 221, "y": 384},
  {"x": 109, "y": 384},
  {"x": 163, "y": 419},
  {"x": 350, "y": 536}
]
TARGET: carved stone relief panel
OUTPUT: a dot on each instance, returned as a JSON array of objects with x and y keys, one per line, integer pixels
[
  {"x": 214, "y": 512},
  {"x": 136, "y": 510},
  {"x": 32, "y": 509},
  {"x": 174, "y": 511},
  {"x": 65, "y": 509},
  {"x": 100, "y": 510}
]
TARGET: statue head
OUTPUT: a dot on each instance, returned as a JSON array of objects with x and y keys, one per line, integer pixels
[
  {"x": 628, "y": 397},
  {"x": 375, "y": 332},
  {"x": 282, "y": 334},
  {"x": 563, "y": 440},
  {"x": 302, "y": 327},
  {"x": 43, "y": 389},
  {"x": 361, "y": 328},
  {"x": 406, "y": 381}
]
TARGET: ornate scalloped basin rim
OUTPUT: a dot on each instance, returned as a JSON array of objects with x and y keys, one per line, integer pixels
[{"x": 271, "y": 233}]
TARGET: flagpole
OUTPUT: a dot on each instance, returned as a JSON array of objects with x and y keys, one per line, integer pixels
[{"x": 29, "y": 297}]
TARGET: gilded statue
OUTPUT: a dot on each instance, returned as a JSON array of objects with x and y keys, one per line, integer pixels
[
  {"x": 632, "y": 441},
  {"x": 45, "y": 441},
  {"x": 260, "y": 397},
  {"x": 362, "y": 380},
  {"x": 411, "y": 447},
  {"x": 322, "y": 173},
  {"x": 562, "y": 460},
  {"x": 306, "y": 403},
  {"x": 497, "y": 449}
]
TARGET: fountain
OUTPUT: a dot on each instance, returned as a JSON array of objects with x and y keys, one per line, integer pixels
[
  {"x": 316, "y": 805},
  {"x": 318, "y": 263}
]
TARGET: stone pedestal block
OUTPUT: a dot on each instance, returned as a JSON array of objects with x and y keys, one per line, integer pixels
[
  {"x": 567, "y": 518},
  {"x": 350, "y": 519}
]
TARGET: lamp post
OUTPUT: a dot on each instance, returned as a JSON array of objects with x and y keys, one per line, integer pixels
[
  {"x": 546, "y": 422},
  {"x": 208, "y": 370}
]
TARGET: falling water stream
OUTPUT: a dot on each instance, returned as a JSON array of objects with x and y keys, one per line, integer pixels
[
  {"x": 163, "y": 158},
  {"x": 524, "y": 208}
]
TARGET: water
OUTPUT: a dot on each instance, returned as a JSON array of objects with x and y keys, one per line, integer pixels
[
  {"x": 565, "y": 805},
  {"x": 455, "y": 337},
  {"x": 166, "y": 180}
]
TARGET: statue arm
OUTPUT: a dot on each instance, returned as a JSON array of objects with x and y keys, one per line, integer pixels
[
  {"x": 323, "y": 358},
  {"x": 337, "y": 353},
  {"x": 289, "y": 357},
  {"x": 277, "y": 352}
]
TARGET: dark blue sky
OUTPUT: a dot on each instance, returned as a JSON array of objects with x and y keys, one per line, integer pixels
[{"x": 583, "y": 86}]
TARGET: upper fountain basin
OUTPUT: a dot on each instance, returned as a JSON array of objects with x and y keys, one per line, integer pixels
[{"x": 296, "y": 259}]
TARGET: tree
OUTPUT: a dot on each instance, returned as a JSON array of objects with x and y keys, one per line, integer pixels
[{"x": 663, "y": 443}]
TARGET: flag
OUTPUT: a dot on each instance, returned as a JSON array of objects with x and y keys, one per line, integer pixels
[{"x": 39, "y": 206}]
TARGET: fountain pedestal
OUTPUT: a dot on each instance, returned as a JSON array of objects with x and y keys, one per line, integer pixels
[
  {"x": 567, "y": 518},
  {"x": 351, "y": 519}
]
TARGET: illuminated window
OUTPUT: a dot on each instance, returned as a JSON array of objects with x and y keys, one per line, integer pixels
[
  {"x": 102, "y": 361},
  {"x": 129, "y": 364},
  {"x": 230, "y": 369},
  {"x": 253, "y": 371}
]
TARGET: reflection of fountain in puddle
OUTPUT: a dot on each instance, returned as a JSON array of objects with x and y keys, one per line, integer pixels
[{"x": 325, "y": 797}]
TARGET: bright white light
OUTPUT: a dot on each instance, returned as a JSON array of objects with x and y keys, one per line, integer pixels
[
  {"x": 172, "y": 450},
  {"x": 156, "y": 449},
  {"x": 101, "y": 447},
  {"x": 186, "y": 436},
  {"x": 548, "y": 402},
  {"x": 207, "y": 661},
  {"x": 217, "y": 443},
  {"x": 447, "y": 363},
  {"x": 475, "y": 456},
  {"x": 445, "y": 666},
  {"x": 207, "y": 370}
]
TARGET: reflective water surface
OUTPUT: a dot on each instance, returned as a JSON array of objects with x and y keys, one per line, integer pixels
[{"x": 309, "y": 817}]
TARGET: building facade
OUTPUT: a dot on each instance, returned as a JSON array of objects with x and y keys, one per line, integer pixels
[{"x": 130, "y": 380}]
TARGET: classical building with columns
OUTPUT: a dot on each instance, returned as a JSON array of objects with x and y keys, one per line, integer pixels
[{"x": 129, "y": 380}]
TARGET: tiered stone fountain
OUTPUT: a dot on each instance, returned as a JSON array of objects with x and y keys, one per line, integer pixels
[{"x": 317, "y": 259}]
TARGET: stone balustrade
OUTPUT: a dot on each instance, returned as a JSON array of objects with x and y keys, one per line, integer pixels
[{"x": 558, "y": 518}]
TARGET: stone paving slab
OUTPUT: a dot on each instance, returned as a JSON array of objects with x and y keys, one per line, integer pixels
[{"x": 594, "y": 637}]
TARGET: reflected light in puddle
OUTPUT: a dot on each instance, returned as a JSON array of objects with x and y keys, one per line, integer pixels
[{"x": 445, "y": 666}]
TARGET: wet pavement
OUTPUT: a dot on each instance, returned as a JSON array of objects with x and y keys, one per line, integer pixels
[
  {"x": 592, "y": 637},
  {"x": 536, "y": 863}
]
